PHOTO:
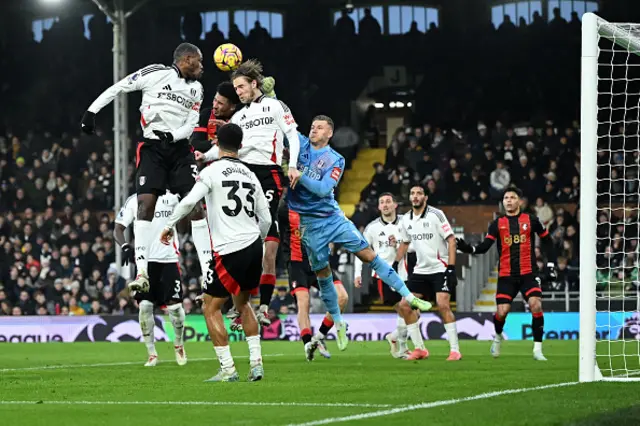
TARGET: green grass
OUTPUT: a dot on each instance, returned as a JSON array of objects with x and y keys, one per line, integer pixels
[{"x": 364, "y": 374}]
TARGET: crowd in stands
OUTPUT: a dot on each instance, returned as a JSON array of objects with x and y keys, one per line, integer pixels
[{"x": 56, "y": 188}]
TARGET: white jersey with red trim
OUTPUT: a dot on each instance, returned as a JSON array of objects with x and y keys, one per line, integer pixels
[
  {"x": 237, "y": 209},
  {"x": 158, "y": 252},
  {"x": 384, "y": 238},
  {"x": 170, "y": 102},
  {"x": 265, "y": 122},
  {"x": 427, "y": 233}
]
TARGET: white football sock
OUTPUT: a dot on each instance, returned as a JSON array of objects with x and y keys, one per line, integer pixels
[
  {"x": 202, "y": 241},
  {"x": 409, "y": 298},
  {"x": 147, "y": 324},
  {"x": 452, "y": 335},
  {"x": 224, "y": 356},
  {"x": 176, "y": 314},
  {"x": 255, "y": 350},
  {"x": 537, "y": 346},
  {"x": 394, "y": 335},
  {"x": 401, "y": 331},
  {"x": 144, "y": 233},
  {"x": 413, "y": 330}
]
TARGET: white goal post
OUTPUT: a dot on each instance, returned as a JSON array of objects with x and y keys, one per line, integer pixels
[{"x": 609, "y": 206}]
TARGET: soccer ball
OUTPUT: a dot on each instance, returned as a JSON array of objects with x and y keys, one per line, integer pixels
[{"x": 227, "y": 57}]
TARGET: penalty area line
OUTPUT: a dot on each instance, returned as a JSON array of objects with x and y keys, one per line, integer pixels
[
  {"x": 206, "y": 403},
  {"x": 406, "y": 408}
]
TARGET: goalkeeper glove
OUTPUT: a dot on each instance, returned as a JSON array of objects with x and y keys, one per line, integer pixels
[
  {"x": 128, "y": 254},
  {"x": 464, "y": 246},
  {"x": 450, "y": 276},
  {"x": 88, "y": 123},
  {"x": 395, "y": 265},
  {"x": 269, "y": 86},
  {"x": 164, "y": 136}
]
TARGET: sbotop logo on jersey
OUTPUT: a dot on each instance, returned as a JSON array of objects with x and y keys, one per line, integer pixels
[
  {"x": 163, "y": 213},
  {"x": 187, "y": 103},
  {"x": 311, "y": 173},
  {"x": 423, "y": 236},
  {"x": 257, "y": 122}
]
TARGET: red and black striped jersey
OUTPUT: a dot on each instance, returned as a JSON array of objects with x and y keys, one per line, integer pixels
[
  {"x": 205, "y": 133},
  {"x": 290, "y": 237},
  {"x": 514, "y": 238}
]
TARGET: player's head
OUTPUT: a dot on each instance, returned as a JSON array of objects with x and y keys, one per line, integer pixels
[
  {"x": 418, "y": 196},
  {"x": 511, "y": 200},
  {"x": 230, "y": 138},
  {"x": 247, "y": 80},
  {"x": 387, "y": 204},
  {"x": 225, "y": 101},
  {"x": 188, "y": 58},
  {"x": 321, "y": 130}
]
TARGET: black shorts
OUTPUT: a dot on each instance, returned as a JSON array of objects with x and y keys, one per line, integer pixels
[
  {"x": 235, "y": 272},
  {"x": 161, "y": 166},
  {"x": 165, "y": 285},
  {"x": 302, "y": 278},
  {"x": 428, "y": 285},
  {"x": 273, "y": 182},
  {"x": 508, "y": 288},
  {"x": 388, "y": 296}
]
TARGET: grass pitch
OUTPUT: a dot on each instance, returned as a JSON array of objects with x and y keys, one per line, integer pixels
[{"x": 106, "y": 384}]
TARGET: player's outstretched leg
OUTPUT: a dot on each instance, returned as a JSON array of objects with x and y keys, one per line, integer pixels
[
  {"x": 144, "y": 235},
  {"x": 147, "y": 324},
  {"x": 537, "y": 325},
  {"x": 329, "y": 296},
  {"x": 268, "y": 278},
  {"x": 327, "y": 322},
  {"x": 391, "y": 278},
  {"x": 252, "y": 331},
  {"x": 220, "y": 339},
  {"x": 449, "y": 320},
  {"x": 176, "y": 315}
]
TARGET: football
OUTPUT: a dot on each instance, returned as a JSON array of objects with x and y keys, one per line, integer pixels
[{"x": 227, "y": 57}]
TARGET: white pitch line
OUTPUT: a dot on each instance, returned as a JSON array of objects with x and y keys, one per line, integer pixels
[
  {"x": 209, "y": 403},
  {"x": 406, "y": 408},
  {"x": 112, "y": 364}
]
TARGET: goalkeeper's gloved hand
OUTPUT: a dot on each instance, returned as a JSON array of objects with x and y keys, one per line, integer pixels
[
  {"x": 551, "y": 272},
  {"x": 464, "y": 246},
  {"x": 269, "y": 86},
  {"x": 88, "y": 123},
  {"x": 128, "y": 254},
  {"x": 450, "y": 276},
  {"x": 164, "y": 136}
]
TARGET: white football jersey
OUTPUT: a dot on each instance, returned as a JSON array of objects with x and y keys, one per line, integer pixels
[
  {"x": 170, "y": 103},
  {"x": 428, "y": 235},
  {"x": 264, "y": 123},
  {"x": 237, "y": 209},
  {"x": 380, "y": 235},
  {"x": 157, "y": 252}
]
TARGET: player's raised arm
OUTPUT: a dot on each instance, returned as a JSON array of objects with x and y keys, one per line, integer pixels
[
  {"x": 133, "y": 82},
  {"x": 329, "y": 181},
  {"x": 288, "y": 125},
  {"x": 200, "y": 189},
  {"x": 484, "y": 246}
]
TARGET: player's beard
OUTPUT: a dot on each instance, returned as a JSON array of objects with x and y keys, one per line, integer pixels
[{"x": 419, "y": 206}]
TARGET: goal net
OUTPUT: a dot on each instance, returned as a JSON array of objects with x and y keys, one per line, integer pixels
[{"x": 609, "y": 206}]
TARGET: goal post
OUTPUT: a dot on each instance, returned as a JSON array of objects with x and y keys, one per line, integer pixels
[{"x": 609, "y": 206}]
